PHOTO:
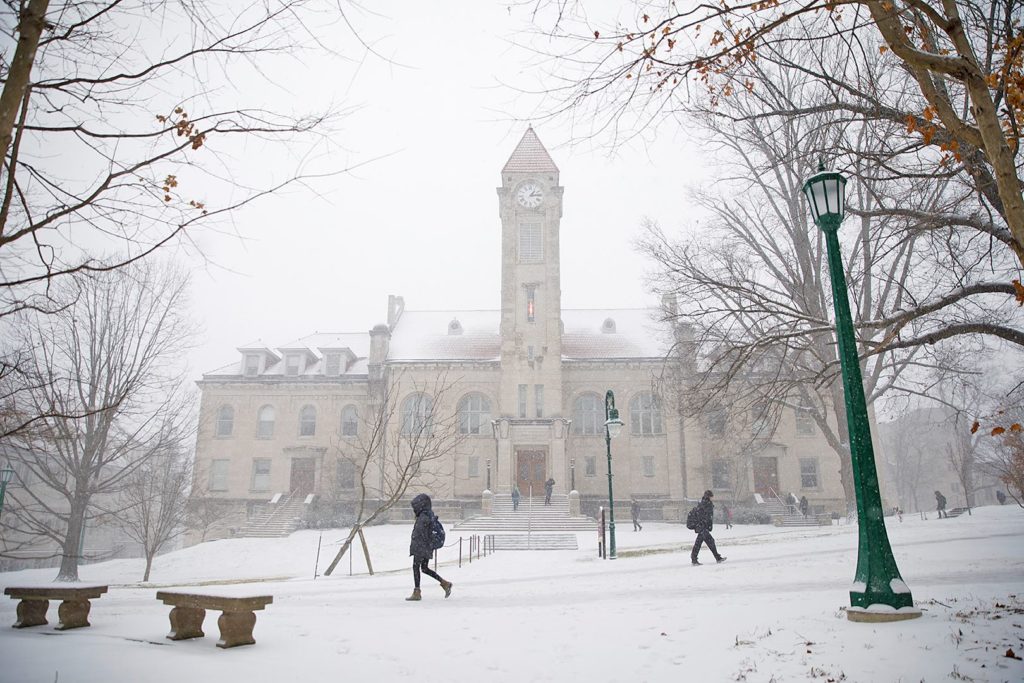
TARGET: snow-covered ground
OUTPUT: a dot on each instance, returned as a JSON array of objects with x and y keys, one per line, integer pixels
[{"x": 772, "y": 612}]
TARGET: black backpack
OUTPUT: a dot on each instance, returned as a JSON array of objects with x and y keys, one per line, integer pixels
[
  {"x": 691, "y": 519},
  {"x": 436, "y": 534}
]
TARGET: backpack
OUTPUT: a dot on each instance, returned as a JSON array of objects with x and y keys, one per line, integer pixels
[
  {"x": 436, "y": 534},
  {"x": 691, "y": 519}
]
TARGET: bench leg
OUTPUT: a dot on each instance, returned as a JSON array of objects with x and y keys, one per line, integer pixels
[
  {"x": 236, "y": 628},
  {"x": 31, "y": 613},
  {"x": 186, "y": 622},
  {"x": 73, "y": 614}
]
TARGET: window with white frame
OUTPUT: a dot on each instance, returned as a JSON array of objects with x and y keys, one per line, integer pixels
[
  {"x": 307, "y": 421},
  {"x": 715, "y": 420},
  {"x": 590, "y": 466},
  {"x": 346, "y": 474},
  {"x": 261, "y": 474},
  {"x": 805, "y": 418},
  {"x": 292, "y": 364},
  {"x": 474, "y": 414},
  {"x": 809, "y": 473},
  {"x": 648, "y": 465},
  {"x": 219, "y": 474},
  {"x": 759, "y": 419},
  {"x": 538, "y": 399},
  {"x": 332, "y": 364},
  {"x": 416, "y": 414},
  {"x": 522, "y": 400},
  {"x": 252, "y": 364},
  {"x": 588, "y": 415},
  {"x": 349, "y": 421},
  {"x": 721, "y": 474},
  {"x": 265, "y": 422},
  {"x": 645, "y": 414},
  {"x": 473, "y": 465},
  {"x": 531, "y": 243},
  {"x": 225, "y": 422}
]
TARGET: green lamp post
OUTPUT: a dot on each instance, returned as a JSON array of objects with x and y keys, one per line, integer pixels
[
  {"x": 879, "y": 593},
  {"x": 612, "y": 428}
]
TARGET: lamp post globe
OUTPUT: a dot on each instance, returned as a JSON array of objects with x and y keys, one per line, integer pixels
[
  {"x": 878, "y": 593},
  {"x": 612, "y": 428}
]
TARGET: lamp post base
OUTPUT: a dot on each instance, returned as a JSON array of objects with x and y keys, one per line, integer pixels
[{"x": 883, "y": 614}]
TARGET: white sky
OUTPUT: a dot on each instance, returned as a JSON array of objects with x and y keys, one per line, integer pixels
[{"x": 423, "y": 222}]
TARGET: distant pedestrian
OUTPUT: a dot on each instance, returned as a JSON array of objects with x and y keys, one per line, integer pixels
[
  {"x": 703, "y": 524},
  {"x": 804, "y": 505},
  {"x": 421, "y": 548},
  {"x": 940, "y": 505},
  {"x": 727, "y": 513},
  {"x": 515, "y": 497},
  {"x": 549, "y": 486},
  {"x": 634, "y": 509},
  {"x": 1001, "y": 497},
  {"x": 794, "y": 501}
]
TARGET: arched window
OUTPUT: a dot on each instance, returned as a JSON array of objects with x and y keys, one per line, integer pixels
[
  {"x": 645, "y": 414},
  {"x": 416, "y": 413},
  {"x": 225, "y": 421},
  {"x": 588, "y": 414},
  {"x": 307, "y": 421},
  {"x": 349, "y": 421},
  {"x": 474, "y": 414},
  {"x": 265, "y": 422}
]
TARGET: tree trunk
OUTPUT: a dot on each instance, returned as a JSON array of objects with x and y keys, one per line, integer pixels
[
  {"x": 149, "y": 564},
  {"x": 30, "y": 28},
  {"x": 73, "y": 542}
]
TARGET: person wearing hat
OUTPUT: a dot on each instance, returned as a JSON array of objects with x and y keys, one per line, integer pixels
[{"x": 704, "y": 521}]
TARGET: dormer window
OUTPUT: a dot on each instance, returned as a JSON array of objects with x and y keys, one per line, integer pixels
[
  {"x": 292, "y": 364},
  {"x": 252, "y": 364},
  {"x": 455, "y": 327},
  {"x": 608, "y": 326},
  {"x": 332, "y": 364}
]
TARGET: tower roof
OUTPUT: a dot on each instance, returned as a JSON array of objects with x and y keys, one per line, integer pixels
[{"x": 529, "y": 155}]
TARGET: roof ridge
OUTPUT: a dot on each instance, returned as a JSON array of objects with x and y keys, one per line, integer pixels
[{"x": 530, "y": 155}]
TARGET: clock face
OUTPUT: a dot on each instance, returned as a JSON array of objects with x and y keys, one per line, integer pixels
[{"x": 529, "y": 195}]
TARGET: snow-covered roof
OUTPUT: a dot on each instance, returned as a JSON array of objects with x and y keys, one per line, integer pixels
[
  {"x": 591, "y": 334},
  {"x": 530, "y": 156},
  {"x": 312, "y": 346}
]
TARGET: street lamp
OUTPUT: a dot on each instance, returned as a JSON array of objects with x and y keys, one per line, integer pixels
[
  {"x": 877, "y": 581},
  {"x": 488, "y": 474},
  {"x": 5, "y": 478},
  {"x": 612, "y": 428},
  {"x": 572, "y": 474}
]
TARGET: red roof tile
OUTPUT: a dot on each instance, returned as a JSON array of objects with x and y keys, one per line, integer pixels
[{"x": 530, "y": 155}]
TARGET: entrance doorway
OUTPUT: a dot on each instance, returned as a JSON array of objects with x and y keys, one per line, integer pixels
[
  {"x": 766, "y": 476},
  {"x": 531, "y": 470},
  {"x": 303, "y": 475}
]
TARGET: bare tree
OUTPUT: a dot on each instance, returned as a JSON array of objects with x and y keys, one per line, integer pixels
[
  {"x": 152, "y": 502},
  {"x": 400, "y": 444},
  {"x": 111, "y": 355},
  {"x": 629, "y": 72}
]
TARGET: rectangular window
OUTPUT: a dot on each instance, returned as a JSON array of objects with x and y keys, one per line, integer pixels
[
  {"x": 648, "y": 463},
  {"x": 474, "y": 466},
  {"x": 809, "y": 473},
  {"x": 529, "y": 353},
  {"x": 716, "y": 418},
  {"x": 590, "y": 465},
  {"x": 538, "y": 399},
  {"x": 721, "y": 476},
  {"x": 332, "y": 364},
  {"x": 291, "y": 364},
  {"x": 531, "y": 244},
  {"x": 219, "y": 475},
  {"x": 522, "y": 400},
  {"x": 804, "y": 419},
  {"x": 346, "y": 475},
  {"x": 531, "y": 303},
  {"x": 252, "y": 364},
  {"x": 759, "y": 419},
  {"x": 260, "y": 474}
]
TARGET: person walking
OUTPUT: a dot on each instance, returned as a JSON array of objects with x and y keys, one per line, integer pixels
[
  {"x": 634, "y": 510},
  {"x": 1001, "y": 497},
  {"x": 940, "y": 504},
  {"x": 549, "y": 486},
  {"x": 421, "y": 548},
  {"x": 727, "y": 513},
  {"x": 515, "y": 497},
  {"x": 703, "y": 523},
  {"x": 804, "y": 505}
]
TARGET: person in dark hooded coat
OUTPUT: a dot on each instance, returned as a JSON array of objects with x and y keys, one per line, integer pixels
[
  {"x": 421, "y": 548},
  {"x": 703, "y": 524}
]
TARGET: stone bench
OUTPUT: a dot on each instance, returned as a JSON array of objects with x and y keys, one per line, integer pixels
[
  {"x": 72, "y": 613},
  {"x": 236, "y": 621}
]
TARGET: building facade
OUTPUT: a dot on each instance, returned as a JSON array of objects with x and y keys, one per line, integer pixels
[{"x": 528, "y": 386}]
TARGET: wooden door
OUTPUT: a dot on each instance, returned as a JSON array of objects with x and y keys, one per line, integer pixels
[
  {"x": 766, "y": 476},
  {"x": 531, "y": 469},
  {"x": 303, "y": 475}
]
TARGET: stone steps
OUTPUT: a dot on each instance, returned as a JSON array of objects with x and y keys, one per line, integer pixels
[
  {"x": 532, "y": 516},
  {"x": 281, "y": 520},
  {"x": 535, "y": 542}
]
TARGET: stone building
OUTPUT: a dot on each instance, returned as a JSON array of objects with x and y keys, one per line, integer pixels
[{"x": 530, "y": 382}]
